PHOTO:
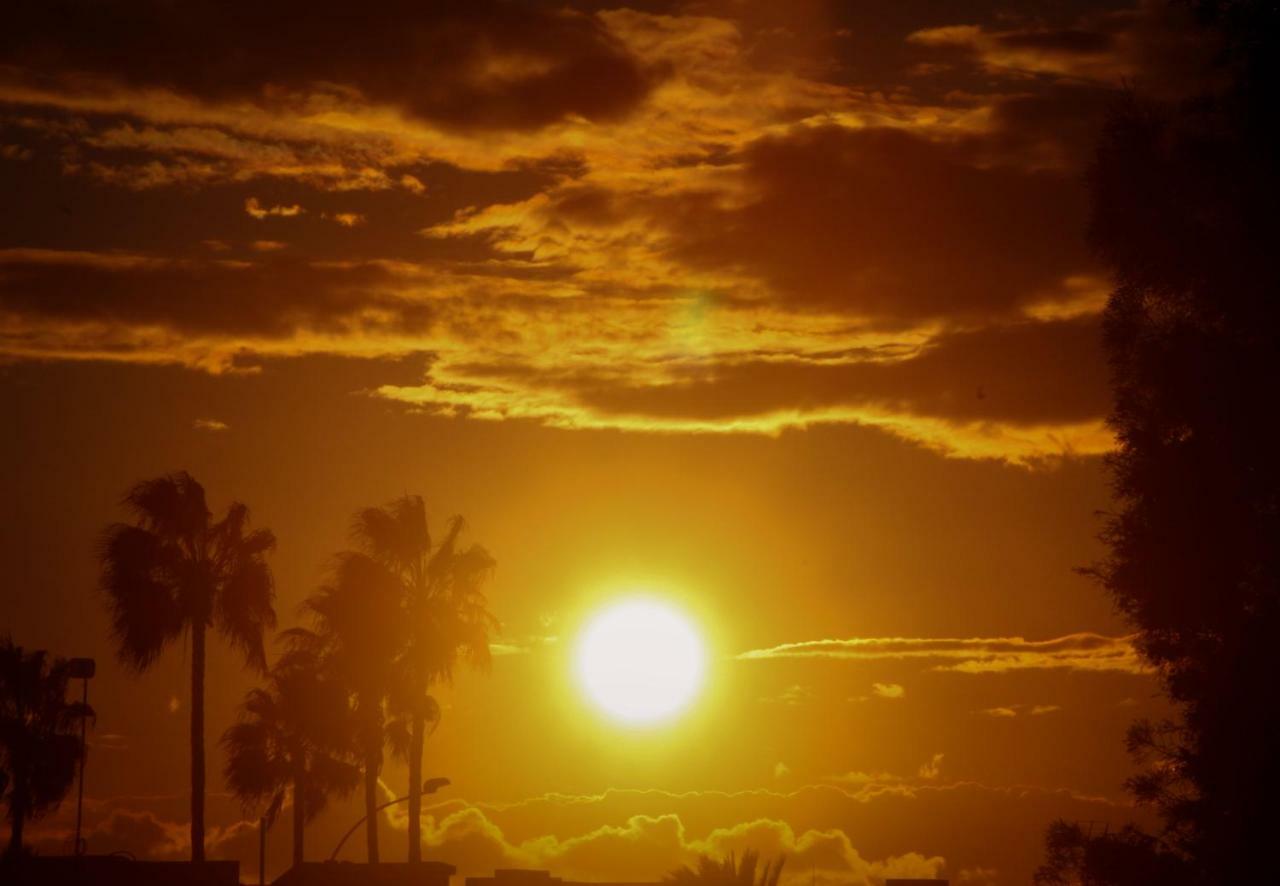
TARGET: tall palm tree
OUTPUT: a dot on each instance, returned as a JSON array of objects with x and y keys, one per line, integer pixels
[
  {"x": 39, "y": 738},
  {"x": 728, "y": 872},
  {"x": 290, "y": 739},
  {"x": 357, "y": 631},
  {"x": 445, "y": 611},
  {"x": 176, "y": 570}
]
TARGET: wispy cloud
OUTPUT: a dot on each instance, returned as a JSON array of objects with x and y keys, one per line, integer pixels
[
  {"x": 260, "y": 212},
  {"x": 1020, "y": 710},
  {"x": 792, "y": 695},
  {"x": 973, "y": 655},
  {"x": 210, "y": 424}
]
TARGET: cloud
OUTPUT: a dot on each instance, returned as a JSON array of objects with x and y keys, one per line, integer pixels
[
  {"x": 792, "y": 695},
  {"x": 210, "y": 424},
  {"x": 100, "y": 301},
  {"x": 1004, "y": 392},
  {"x": 260, "y": 212},
  {"x": 885, "y": 223},
  {"x": 1000, "y": 712},
  {"x": 888, "y": 690},
  {"x": 346, "y": 219},
  {"x": 143, "y": 834},
  {"x": 1153, "y": 45},
  {"x": 649, "y": 846},
  {"x": 508, "y": 65},
  {"x": 1015, "y": 710},
  {"x": 973, "y": 655},
  {"x": 732, "y": 244}
]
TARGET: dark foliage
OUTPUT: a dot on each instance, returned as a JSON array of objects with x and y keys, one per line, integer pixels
[
  {"x": 39, "y": 736},
  {"x": 357, "y": 633},
  {"x": 442, "y": 604},
  {"x": 1185, "y": 202},
  {"x": 176, "y": 570},
  {"x": 728, "y": 872},
  {"x": 1128, "y": 857},
  {"x": 292, "y": 738}
]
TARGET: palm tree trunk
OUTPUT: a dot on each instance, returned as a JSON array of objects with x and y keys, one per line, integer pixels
[
  {"x": 299, "y": 817},
  {"x": 415, "y": 788},
  {"x": 17, "y": 818},
  {"x": 197, "y": 740},
  {"x": 371, "y": 804}
]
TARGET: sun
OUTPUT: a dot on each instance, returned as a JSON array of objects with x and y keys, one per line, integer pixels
[{"x": 640, "y": 660}]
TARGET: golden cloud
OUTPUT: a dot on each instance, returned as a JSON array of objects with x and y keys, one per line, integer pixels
[
  {"x": 973, "y": 655},
  {"x": 737, "y": 250},
  {"x": 650, "y": 846}
]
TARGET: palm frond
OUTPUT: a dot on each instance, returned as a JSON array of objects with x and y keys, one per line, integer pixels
[
  {"x": 138, "y": 580},
  {"x": 328, "y": 776},
  {"x": 396, "y": 534},
  {"x": 172, "y": 506},
  {"x": 243, "y": 609},
  {"x": 728, "y": 872},
  {"x": 442, "y": 559}
]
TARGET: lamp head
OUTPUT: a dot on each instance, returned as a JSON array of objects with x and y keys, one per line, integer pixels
[
  {"x": 81, "y": 668},
  {"x": 431, "y": 785}
]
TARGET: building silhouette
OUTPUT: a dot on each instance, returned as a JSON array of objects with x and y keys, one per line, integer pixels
[{"x": 527, "y": 877}]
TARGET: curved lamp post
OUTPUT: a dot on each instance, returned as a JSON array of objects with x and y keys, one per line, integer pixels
[{"x": 430, "y": 786}]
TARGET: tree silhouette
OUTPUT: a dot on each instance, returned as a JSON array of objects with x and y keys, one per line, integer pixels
[
  {"x": 357, "y": 633},
  {"x": 1128, "y": 857},
  {"x": 39, "y": 736},
  {"x": 728, "y": 872},
  {"x": 290, "y": 738},
  {"x": 446, "y": 615},
  {"x": 1184, "y": 215},
  {"x": 177, "y": 570}
]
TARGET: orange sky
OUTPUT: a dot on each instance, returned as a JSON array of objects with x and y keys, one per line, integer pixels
[{"x": 783, "y": 310}]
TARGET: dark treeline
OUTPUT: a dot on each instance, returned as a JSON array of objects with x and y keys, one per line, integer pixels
[
  {"x": 1185, "y": 202},
  {"x": 395, "y": 616},
  {"x": 39, "y": 736}
]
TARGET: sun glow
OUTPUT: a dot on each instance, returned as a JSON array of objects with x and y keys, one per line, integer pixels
[{"x": 640, "y": 660}]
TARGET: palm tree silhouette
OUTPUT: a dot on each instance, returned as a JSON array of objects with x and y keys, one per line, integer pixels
[
  {"x": 176, "y": 570},
  {"x": 357, "y": 632},
  {"x": 728, "y": 872},
  {"x": 290, "y": 739},
  {"x": 39, "y": 737},
  {"x": 445, "y": 611}
]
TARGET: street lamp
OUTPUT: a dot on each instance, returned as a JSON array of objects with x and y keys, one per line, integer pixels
[
  {"x": 82, "y": 669},
  {"x": 430, "y": 786}
]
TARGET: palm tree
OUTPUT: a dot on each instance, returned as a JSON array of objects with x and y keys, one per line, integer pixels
[
  {"x": 728, "y": 872},
  {"x": 39, "y": 740},
  {"x": 176, "y": 570},
  {"x": 290, "y": 739},
  {"x": 357, "y": 632},
  {"x": 445, "y": 611}
]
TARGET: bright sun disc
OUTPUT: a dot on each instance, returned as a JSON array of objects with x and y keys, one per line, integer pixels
[{"x": 640, "y": 660}]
